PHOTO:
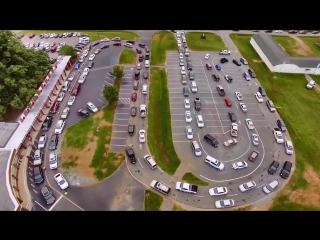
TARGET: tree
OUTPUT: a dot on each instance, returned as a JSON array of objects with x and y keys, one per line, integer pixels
[
  {"x": 21, "y": 72},
  {"x": 68, "y": 50},
  {"x": 117, "y": 73},
  {"x": 111, "y": 94}
]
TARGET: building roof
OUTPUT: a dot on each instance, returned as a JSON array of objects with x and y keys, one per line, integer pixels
[
  {"x": 277, "y": 55},
  {"x": 6, "y": 203},
  {"x": 24, "y": 127},
  {"x": 6, "y": 131}
]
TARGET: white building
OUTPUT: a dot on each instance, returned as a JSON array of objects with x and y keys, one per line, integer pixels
[{"x": 278, "y": 60}]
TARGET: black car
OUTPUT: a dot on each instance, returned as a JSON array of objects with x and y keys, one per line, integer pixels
[
  {"x": 60, "y": 35},
  {"x": 211, "y": 140},
  {"x": 273, "y": 167},
  {"x": 215, "y": 77},
  {"x": 69, "y": 34},
  {"x": 174, "y": 31},
  {"x": 189, "y": 66},
  {"x": 197, "y": 104},
  {"x": 147, "y": 56},
  {"x": 133, "y": 111},
  {"x": 131, "y": 155},
  {"x": 131, "y": 129},
  {"x": 286, "y": 170},
  {"x": 131, "y": 41},
  {"x": 251, "y": 73},
  {"x": 41, "y": 36},
  {"x": 232, "y": 116},
  {"x": 38, "y": 175},
  {"x": 104, "y": 46},
  {"x": 53, "y": 60},
  {"x": 47, "y": 123},
  {"x": 228, "y": 78},
  {"x": 262, "y": 91},
  {"x": 315, "y": 32},
  {"x": 236, "y": 62},
  {"x": 268, "y": 31},
  {"x": 83, "y": 113},
  {"x": 224, "y": 60},
  {"x": 90, "y": 65},
  {"x": 142, "y": 45},
  {"x": 281, "y": 125},
  {"x": 47, "y": 195},
  {"x": 138, "y": 51}
]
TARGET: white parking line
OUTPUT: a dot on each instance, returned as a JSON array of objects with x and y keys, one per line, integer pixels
[
  {"x": 232, "y": 195},
  {"x": 140, "y": 163},
  {"x": 41, "y": 205},
  {"x": 55, "y": 203},
  {"x": 197, "y": 196},
  {"x": 261, "y": 186},
  {"x": 120, "y": 125},
  {"x": 102, "y": 101}
]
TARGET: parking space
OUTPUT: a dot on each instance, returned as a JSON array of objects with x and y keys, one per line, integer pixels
[{"x": 122, "y": 114}]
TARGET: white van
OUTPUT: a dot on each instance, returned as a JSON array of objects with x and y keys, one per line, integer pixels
[
  {"x": 270, "y": 106},
  {"x": 147, "y": 63},
  {"x": 150, "y": 162},
  {"x": 270, "y": 187},
  {"x": 214, "y": 163},
  {"x": 193, "y": 87},
  {"x": 144, "y": 89}
]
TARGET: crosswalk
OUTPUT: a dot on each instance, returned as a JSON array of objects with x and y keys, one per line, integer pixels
[{"x": 124, "y": 100}]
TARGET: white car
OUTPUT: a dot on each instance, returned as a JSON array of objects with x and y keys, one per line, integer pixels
[
  {"x": 224, "y": 52},
  {"x": 82, "y": 78},
  {"x": 53, "y": 163},
  {"x": 239, "y": 96},
  {"x": 92, "y": 107},
  {"x": 105, "y": 40},
  {"x": 224, "y": 203},
  {"x": 62, "y": 182},
  {"x": 181, "y": 56},
  {"x": 91, "y": 57},
  {"x": 186, "y": 103},
  {"x": 62, "y": 44},
  {"x": 218, "y": 191},
  {"x": 59, "y": 127},
  {"x": 181, "y": 62},
  {"x": 81, "y": 59},
  {"x": 179, "y": 44},
  {"x": 247, "y": 186},
  {"x": 71, "y": 77},
  {"x": 60, "y": 97},
  {"x": 188, "y": 117},
  {"x": 278, "y": 31},
  {"x": 128, "y": 45},
  {"x": 200, "y": 121},
  {"x": 183, "y": 71},
  {"x": 243, "y": 107},
  {"x": 142, "y": 136},
  {"x": 74, "y": 34},
  {"x": 65, "y": 113},
  {"x": 249, "y": 124},
  {"x": 255, "y": 139},
  {"x": 239, "y": 165},
  {"x": 189, "y": 132},
  {"x": 259, "y": 97},
  {"x": 42, "y": 141},
  {"x": 71, "y": 100},
  {"x": 85, "y": 53},
  {"x": 86, "y": 71},
  {"x": 207, "y": 56},
  {"x": 97, "y": 51}
]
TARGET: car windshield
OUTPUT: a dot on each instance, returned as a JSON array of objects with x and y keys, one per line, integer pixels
[
  {"x": 189, "y": 132},
  {"x": 58, "y": 126},
  {"x": 222, "y": 203},
  {"x": 245, "y": 186},
  {"x": 37, "y": 176},
  {"x": 198, "y": 150},
  {"x": 62, "y": 182},
  {"x": 52, "y": 160},
  {"x": 289, "y": 147},
  {"x": 269, "y": 187}
]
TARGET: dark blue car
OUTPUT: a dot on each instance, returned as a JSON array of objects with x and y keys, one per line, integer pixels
[
  {"x": 95, "y": 44},
  {"x": 77, "y": 66}
]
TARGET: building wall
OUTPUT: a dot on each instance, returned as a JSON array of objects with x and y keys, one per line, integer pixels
[
  {"x": 261, "y": 54},
  {"x": 292, "y": 68}
]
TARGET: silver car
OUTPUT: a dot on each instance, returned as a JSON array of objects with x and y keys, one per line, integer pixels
[{"x": 255, "y": 139}]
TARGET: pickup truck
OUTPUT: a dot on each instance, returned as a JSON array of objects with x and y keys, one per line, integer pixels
[
  {"x": 234, "y": 130},
  {"x": 230, "y": 142},
  {"x": 186, "y": 187},
  {"x": 221, "y": 91},
  {"x": 197, "y": 104},
  {"x": 143, "y": 111},
  {"x": 278, "y": 135}
]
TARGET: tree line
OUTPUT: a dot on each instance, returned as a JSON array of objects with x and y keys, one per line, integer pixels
[{"x": 111, "y": 92}]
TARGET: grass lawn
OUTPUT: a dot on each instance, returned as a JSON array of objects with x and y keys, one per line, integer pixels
[
  {"x": 192, "y": 179},
  {"x": 316, "y": 78},
  {"x": 311, "y": 42},
  {"x": 293, "y": 102},
  {"x": 152, "y": 201},
  {"x": 161, "y": 42},
  {"x": 177, "y": 208},
  {"x": 94, "y": 35},
  {"x": 85, "y": 147},
  {"x": 212, "y": 43},
  {"x": 159, "y": 123},
  {"x": 128, "y": 57}
]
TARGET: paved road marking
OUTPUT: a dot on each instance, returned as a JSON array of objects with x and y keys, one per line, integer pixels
[
  {"x": 102, "y": 101},
  {"x": 232, "y": 195},
  {"x": 55, "y": 203},
  {"x": 197, "y": 196},
  {"x": 140, "y": 163},
  {"x": 120, "y": 125},
  {"x": 261, "y": 186},
  {"x": 41, "y": 205},
  {"x": 125, "y": 119},
  {"x": 124, "y": 100}
]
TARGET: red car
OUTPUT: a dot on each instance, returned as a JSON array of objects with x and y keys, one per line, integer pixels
[
  {"x": 55, "y": 107},
  {"x": 53, "y": 49},
  {"x": 31, "y": 35},
  {"x": 117, "y": 44},
  {"x": 228, "y": 102},
  {"x": 134, "y": 97},
  {"x": 253, "y": 156},
  {"x": 293, "y": 31}
]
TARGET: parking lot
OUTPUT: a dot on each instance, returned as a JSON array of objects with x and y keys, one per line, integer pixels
[
  {"x": 122, "y": 114},
  {"x": 215, "y": 114}
]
